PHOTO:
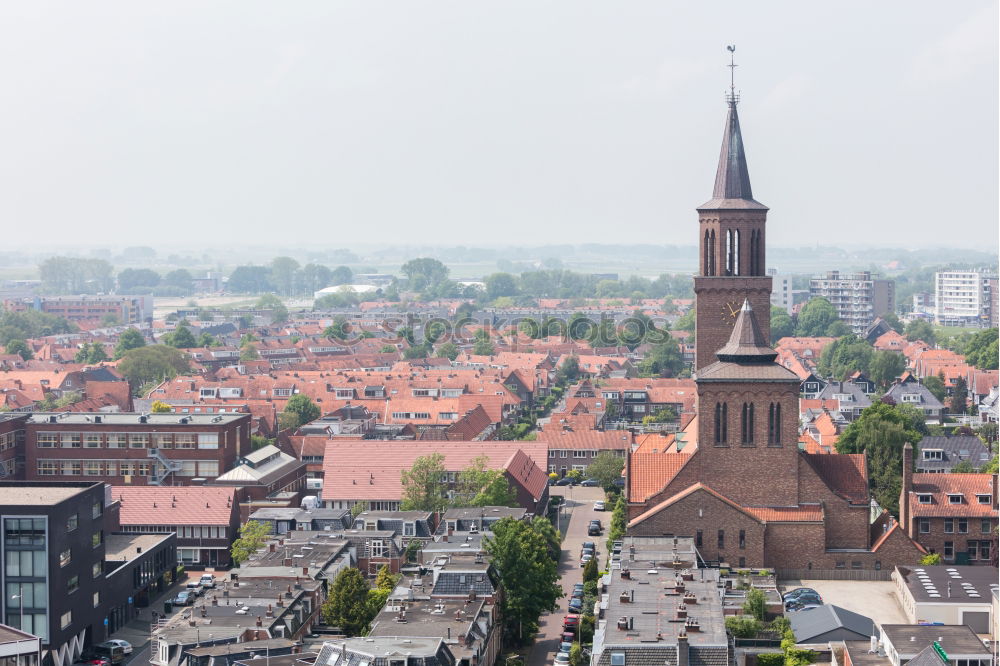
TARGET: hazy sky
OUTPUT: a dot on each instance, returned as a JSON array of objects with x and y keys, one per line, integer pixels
[{"x": 331, "y": 123}]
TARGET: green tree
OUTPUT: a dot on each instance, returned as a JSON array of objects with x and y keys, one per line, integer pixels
[
  {"x": 930, "y": 560},
  {"x": 618, "y": 521},
  {"x": 893, "y": 321},
  {"x": 130, "y": 338},
  {"x": 248, "y": 352},
  {"x": 347, "y": 605},
  {"x": 299, "y": 410},
  {"x": 259, "y": 442},
  {"x": 782, "y": 324},
  {"x": 479, "y": 486},
  {"x": 483, "y": 348},
  {"x": 982, "y": 350},
  {"x": 253, "y": 535},
  {"x": 423, "y": 487},
  {"x": 152, "y": 363},
  {"x": 575, "y": 654},
  {"x": 133, "y": 279},
  {"x": 180, "y": 278},
  {"x": 845, "y": 356},
  {"x": 385, "y": 579},
  {"x": 590, "y": 570},
  {"x": 446, "y": 350},
  {"x": 284, "y": 275},
  {"x": 606, "y": 468},
  {"x": 181, "y": 338},
  {"x": 568, "y": 371},
  {"x": 743, "y": 626},
  {"x": 160, "y": 407},
  {"x": 755, "y": 604},
  {"x": 936, "y": 386},
  {"x": 663, "y": 360},
  {"x": 686, "y": 322},
  {"x": 250, "y": 280},
  {"x": 918, "y": 329},
  {"x": 423, "y": 272},
  {"x": 206, "y": 340},
  {"x": 964, "y": 467},
  {"x": 21, "y": 348},
  {"x": 31, "y": 324},
  {"x": 500, "y": 284},
  {"x": 959, "y": 396},
  {"x": 110, "y": 320},
  {"x": 880, "y": 433},
  {"x": 279, "y": 313},
  {"x": 528, "y": 574},
  {"x": 815, "y": 318},
  {"x": 885, "y": 366}
]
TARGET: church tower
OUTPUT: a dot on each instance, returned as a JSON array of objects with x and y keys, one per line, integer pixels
[{"x": 732, "y": 260}]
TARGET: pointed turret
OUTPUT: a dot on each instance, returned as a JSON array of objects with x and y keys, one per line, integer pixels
[
  {"x": 747, "y": 343},
  {"x": 732, "y": 179}
]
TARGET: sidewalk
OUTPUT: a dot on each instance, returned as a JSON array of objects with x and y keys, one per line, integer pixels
[{"x": 136, "y": 630}]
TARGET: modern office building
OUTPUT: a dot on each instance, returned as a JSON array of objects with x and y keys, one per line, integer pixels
[
  {"x": 126, "y": 309},
  {"x": 67, "y": 578},
  {"x": 857, "y": 297}
]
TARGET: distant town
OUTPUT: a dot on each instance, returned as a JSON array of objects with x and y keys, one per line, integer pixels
[{"x": 322, "y": 460}]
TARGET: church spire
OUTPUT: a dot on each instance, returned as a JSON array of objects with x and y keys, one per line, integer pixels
[{"x": 732, "y": 179}]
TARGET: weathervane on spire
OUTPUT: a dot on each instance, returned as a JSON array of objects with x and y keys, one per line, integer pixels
[{"x": 732, "y": 97}]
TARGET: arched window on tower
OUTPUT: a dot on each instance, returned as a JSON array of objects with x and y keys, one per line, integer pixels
[
  {"x": 736, "y": 252},
  {"x": 774, "y": 425},
  {"x": 747, "y": 424},
  {"x": 753, "y": 252},
  {"x": 721, "y": 426},
  {"x": 706, "y": 250},
  {"x": 729, "y": 252},
  {"x": 712, "y": 254}
]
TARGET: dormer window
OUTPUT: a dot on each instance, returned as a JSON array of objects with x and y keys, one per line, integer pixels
[
  {"x": 983, "y": 499},
  {"x": 932, "y": 454},
  {"x": 617, "y": 659},
  {"x": 409, "y": 529},
  {"x": 911, "y": 397},
  {"x": 924, "y": 499},
  {"x": 955, "y": 498}
]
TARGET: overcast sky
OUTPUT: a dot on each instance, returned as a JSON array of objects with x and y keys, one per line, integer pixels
[{"x": 483, "y": 122}]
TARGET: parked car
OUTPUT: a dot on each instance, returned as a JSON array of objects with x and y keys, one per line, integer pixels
[
  {"x": 565, "y": 646},
  {"x": 566, "y": 481},
  {"x": 207, "y": 581},
  {"x": 803, "y": 600},
  {"x": 571, "y": 621},
  {"x": 797, "y": 591},
  {"x": 594, "y": 528},
  {"x": 124, "y": 645},
  {"x": 184, "y": 598},
  {"x": 194, "y": 588},
  {"x": 589, "y": 545},
  {"x": 576, "y": 594},
  {"x": 577, "y": 587},
  {"x": 585, "y": 558},
  {"x": 561, "y": 659},
  {"x": 575, "y": 605},
  {"x": 567, "y": 636},
  {"x": 599, "y": 505},
  {"x": 589, "y": 483}
]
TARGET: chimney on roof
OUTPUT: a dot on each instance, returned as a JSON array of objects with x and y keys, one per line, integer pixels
[{"x": 683, "y": 656}]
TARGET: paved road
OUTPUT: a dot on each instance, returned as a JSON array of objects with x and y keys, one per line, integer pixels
[{"x": 579, "y": 507}]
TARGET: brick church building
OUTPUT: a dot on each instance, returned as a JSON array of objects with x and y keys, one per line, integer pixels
[{"x": 735, "y": 479}]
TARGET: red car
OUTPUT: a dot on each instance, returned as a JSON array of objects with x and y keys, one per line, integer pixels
[{"x": 571, "y": 621}]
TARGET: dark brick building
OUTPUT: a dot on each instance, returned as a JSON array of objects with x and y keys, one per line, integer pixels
[
  {"x": 12, "y": 426},
  {"x": 737, "y": 482},
  {"x": 133, "y": 449}
]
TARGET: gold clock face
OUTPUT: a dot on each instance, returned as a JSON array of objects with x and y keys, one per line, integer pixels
[{"x": 730, "y": 310}]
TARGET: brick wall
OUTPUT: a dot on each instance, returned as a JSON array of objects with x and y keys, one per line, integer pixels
[
  {"x": 846, "y": 525},
  {"x": 701, "y": 510}
]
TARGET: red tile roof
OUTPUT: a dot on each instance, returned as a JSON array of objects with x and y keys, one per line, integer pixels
[
  {"x": 650, "y": 473},
  {"x": 684, "y": 493},
  {"x": 175, "y": 505},
  {"x": 939, "y": 486},
  {"x": 808, "y": 513},
  {"x": 846, "y": 474}
]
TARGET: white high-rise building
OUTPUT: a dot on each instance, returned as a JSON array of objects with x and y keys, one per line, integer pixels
[
  {"x": 964, "y": 298},
  {"x": 782, "y": 295}
]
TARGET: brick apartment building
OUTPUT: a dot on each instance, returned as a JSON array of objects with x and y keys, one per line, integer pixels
[
  {"x": 740, "y": 486},
  {"x": 12, "y": 426},
  {"x": 133, "y": 449},
  {"x": 127, "y": 309},
  {"x": 951, "y": 514}
]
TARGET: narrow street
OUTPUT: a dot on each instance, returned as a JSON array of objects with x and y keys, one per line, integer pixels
[{"x": 579, "y": 511}]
